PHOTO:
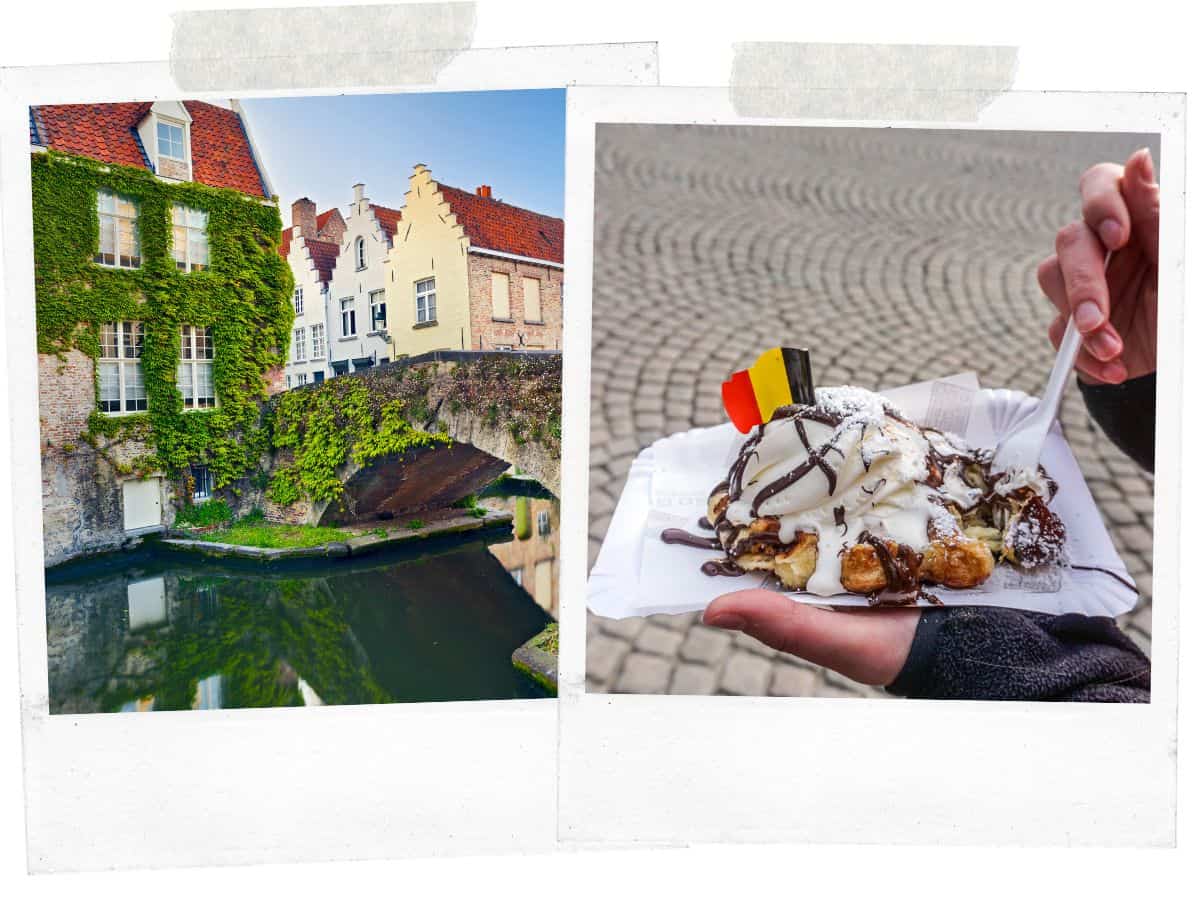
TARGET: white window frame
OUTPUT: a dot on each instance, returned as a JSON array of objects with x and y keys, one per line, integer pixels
[
  {"x": 360, "y": 254},
  {"x": 183, "y": 139},
  {"x": 187, "y": 264},
  {"x": 127, "y": 362},
  {"x": 299, "y": 345},
  {"x": 298, "y": 299},
  {"x": 344, "y": 309},
  {"x": 195, "y": 340},
  {"x": 301, "y": 379},
  {"x": 378, "y": 302},
  {"x": 113, "y": 219},
  {"x": 317, "y": 333},
  {"x": 426, "y": 301}
]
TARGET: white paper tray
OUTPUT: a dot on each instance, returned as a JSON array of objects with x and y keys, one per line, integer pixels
[{"x": 636, "y": 574}]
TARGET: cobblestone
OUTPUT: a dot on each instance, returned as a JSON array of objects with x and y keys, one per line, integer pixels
[
  {"x": 793, "y": 681},
  {"x": 745, "y": 674},
  {"x": 604, "y": 656},
  {"x": 705, "y": 645},
  {"x": 643, "y": 674},
  {"x": 658, "y": 640},
  {"x": 895, "y": 256},
  {"x": 693, "y": 679}
]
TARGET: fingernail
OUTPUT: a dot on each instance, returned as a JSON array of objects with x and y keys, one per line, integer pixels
[
  {"x": 1088, "y": 316},
  {"x": 727, "y": 620},
  {"x": 1104, "y": 344},
  {"x": 1110, "y": 233},
  {"x": 1146, "y": 165}
]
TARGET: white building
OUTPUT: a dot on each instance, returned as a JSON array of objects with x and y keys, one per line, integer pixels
[
  {"x": 311, "y": 248},
  {"x": 357, "y": 309}
]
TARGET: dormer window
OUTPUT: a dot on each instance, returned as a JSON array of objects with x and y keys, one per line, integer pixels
[
  {"x": 166, "y": 137},
  {"x": 170, "y": 141}
]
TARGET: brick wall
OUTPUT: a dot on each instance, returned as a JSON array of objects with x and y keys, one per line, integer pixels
[
  {"x": 66, "y": 396},
  {"x": 82, "y": 505},
  {"x": 488, "y": 333}
]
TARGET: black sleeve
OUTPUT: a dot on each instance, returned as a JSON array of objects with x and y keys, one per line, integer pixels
[
  {"x": 1126, "y": 414},
  {"x": 990, "y": 653}
]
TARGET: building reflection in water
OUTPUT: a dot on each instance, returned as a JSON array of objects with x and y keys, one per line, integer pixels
[
  {"x": 149, "y": 630},
  {"x": 531, "y": 557}
]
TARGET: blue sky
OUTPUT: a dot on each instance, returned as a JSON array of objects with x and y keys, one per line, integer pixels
[{"x": 318, "y": 147}]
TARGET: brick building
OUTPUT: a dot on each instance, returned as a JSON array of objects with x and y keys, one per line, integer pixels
[
  {"x": 470, "y": 272},
  {"x": 450, "y": 270},
  {"x": 157, "y": 279}
]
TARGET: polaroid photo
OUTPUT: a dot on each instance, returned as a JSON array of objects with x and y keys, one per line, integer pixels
[
  {"x": 285, "y": 385},
  {"x": 810, "y": 343}
]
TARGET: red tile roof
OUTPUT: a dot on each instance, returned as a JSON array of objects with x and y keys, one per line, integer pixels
[
  {"x": 323, "y": 219},
  {"x": 493, "y": 225},
  {"x": 324, "y": 256},
  {"x": 221, "y": 153},
  {"x": 388, "y": 219},
  {"x": 285, "y": 236}
]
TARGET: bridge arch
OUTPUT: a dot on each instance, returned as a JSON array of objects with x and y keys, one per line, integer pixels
[{"x": 499, "y": 410}]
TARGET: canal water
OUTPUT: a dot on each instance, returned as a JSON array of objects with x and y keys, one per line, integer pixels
[{"x": 159, "y": 630}]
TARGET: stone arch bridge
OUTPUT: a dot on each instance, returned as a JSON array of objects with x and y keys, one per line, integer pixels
[{"x": 499, "y": 409}]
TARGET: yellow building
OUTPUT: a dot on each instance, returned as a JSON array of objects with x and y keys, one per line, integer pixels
[{"x": 469, "y": 272}]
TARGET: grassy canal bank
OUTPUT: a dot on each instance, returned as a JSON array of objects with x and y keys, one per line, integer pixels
[{"x": 210, "y": 529}]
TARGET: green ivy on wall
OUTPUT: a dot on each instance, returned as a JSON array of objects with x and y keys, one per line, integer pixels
[
  {"x": 343, "y": 419},
  {"x": 244, "y": 297}
]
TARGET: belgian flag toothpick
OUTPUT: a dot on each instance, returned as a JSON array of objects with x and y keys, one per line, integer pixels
[{"x": 780, "y": 377}]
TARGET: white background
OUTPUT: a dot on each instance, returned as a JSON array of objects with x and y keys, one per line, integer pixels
[{"x": 1065, "y": 46}]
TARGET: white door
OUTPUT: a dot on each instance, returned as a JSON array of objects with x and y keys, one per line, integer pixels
[{"x": 143, "y": 506}]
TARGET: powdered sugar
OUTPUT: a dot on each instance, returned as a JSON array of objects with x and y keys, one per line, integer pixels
[{"x": 854, "y": 404}]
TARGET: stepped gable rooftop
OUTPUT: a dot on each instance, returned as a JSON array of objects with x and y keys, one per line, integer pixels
[
  {"x": 494, "y": 225},
  {"x": 388, "y": 219},
  {"x": 108, "y": 132}
]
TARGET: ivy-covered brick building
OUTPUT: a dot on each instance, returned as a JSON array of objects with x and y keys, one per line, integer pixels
[{"x": 163, "y": 312}]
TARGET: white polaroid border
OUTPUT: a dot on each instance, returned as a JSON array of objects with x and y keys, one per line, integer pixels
[
  {"x": 248, "y": 786},
  {"x": 667, "y": 769}
]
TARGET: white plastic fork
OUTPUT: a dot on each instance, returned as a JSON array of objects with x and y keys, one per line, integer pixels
[{"x": 1020, "y": 447}]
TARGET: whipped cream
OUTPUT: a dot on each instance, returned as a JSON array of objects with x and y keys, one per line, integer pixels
[{"x": 846, "y": 465}]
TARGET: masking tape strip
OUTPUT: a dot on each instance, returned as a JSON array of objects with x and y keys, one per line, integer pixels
[
  {"x": 271, "y": 49},
  {"x": 907, "y": 82}
]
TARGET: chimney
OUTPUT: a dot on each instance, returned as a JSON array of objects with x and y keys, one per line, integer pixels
[
  {"x": 358, "y": 193},
  {"x": 484, "y": 190},
  {"x": 304, "y": 214}
]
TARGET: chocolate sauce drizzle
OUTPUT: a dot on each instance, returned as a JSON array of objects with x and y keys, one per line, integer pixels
[
  {"x": 816, "y": 457},
  {"x": 839, "y": 519},
  {"x": 738, "y": 471},
  {"x": 705, "y": 524},
  {"x": 722, "y": 567},
  {"x": 902, "y": 571},
  {"x": 679, "y": 536}
]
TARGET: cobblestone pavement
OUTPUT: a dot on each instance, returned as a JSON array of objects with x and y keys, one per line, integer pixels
[{"x": 895, "y": 255}]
